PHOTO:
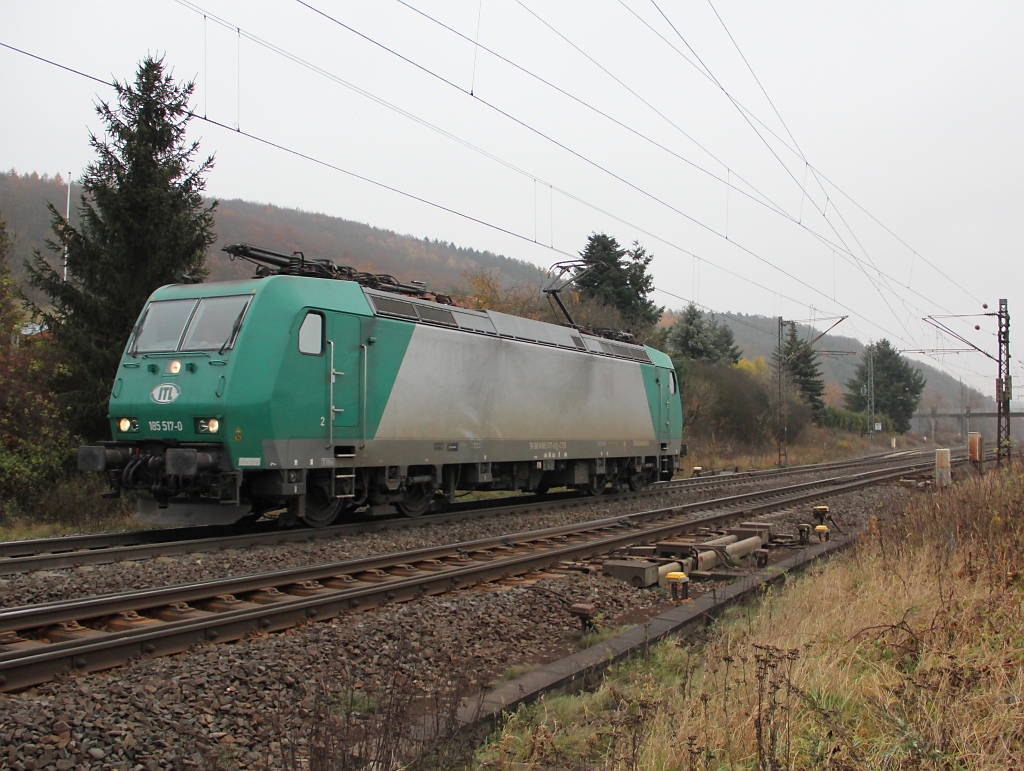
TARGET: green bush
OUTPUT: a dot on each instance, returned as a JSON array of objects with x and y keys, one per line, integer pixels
[
  {"x": 855, "y": 422},
  {"x": 36, "y": 447},
  {"x": 735, "y": 403}
]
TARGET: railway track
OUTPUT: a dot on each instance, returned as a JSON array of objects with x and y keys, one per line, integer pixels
[
  {"x": 104, "y": 548},
  {"x": 40, "y": 641}
]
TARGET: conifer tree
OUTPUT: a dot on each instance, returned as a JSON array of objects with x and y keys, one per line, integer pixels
[
  {"x": 619, "y": 279},
  {"x": 801, "y": 363},
  {"x": 725, "y": 343},
  {"x": 142, "y": 222},
  {"x": 897, "y": 384},
  {"x": 695, "y": 337}
]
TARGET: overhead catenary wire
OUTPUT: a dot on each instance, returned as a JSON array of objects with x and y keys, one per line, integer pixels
[
  {"x": 398, "y": 191},
  {"x": 845, "y": 250},
  {"x": 823, "y": 210},
  {"x": 818, "y": 175},
  {"x": 584, "y": 158},
  {"x": 523, "y": 172},
  {"x": 766, "y": 202},
  {"x": 224, "y": 126},
  {"x": 312, "y": 158},
  {"x": 563, "y": 147},
  {"x": 762, "y": 201},
  {"x": 729, "y": 172}
]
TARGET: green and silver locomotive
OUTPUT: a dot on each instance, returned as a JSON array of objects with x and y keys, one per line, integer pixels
[{"x": 289, "y": 391}]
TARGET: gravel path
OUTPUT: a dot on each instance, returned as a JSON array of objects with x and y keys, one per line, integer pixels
[{"x": 251, "y": 704}]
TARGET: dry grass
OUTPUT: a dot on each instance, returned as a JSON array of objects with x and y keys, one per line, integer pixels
[
  {"x": 73, "y": 505},
  {"x": 816, "y": 445},
  {"x": 906, "y": 654}
]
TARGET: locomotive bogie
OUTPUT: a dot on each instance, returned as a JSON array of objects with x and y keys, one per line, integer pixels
[{"x": 319, "y": 397}]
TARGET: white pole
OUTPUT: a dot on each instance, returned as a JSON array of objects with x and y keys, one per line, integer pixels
[{"x": 67, "y": 217}]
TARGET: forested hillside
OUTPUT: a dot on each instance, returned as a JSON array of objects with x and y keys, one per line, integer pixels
[
  {"x": 757, "y": 336},
  {"x": 23, "y": 199}
]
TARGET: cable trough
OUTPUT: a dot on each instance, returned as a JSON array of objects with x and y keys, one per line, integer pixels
[{"x": 39, "y": 642}]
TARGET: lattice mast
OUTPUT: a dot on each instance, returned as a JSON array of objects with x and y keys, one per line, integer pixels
[{"x": 1004, "y": 386}]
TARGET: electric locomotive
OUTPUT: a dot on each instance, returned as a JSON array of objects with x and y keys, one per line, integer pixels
[{"x": 317, "y": 390}]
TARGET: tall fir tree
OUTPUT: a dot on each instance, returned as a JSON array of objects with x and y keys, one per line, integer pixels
[
  {"x": 897, "y": 385},
  {"x": 619, "y": 279},
  {"x": 801, "y": 363},
  {"x": 725, "y": 342},
  {"x": 695, "y": 337},
  {"x": 142, "y": 222}
]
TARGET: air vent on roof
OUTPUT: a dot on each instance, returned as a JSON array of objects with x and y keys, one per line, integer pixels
[
  {"x": 578, "y": 342},
  {"x": 436, "y": 315},
  {"x": 475, "y": 322},
  {"x": 394, "y": 307}
]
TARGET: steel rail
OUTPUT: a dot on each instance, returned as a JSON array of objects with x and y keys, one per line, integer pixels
[
  {"x": 44, "y": 614},
  {"x": 22, "y": 666},
  {"x": 103, "y": 548}
]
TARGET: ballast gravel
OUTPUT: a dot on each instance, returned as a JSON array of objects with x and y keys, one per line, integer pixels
[
  {"x": 257, "y": 703},
  {"x": 229, "y": 702},
  {"x": 90, "y": 580}
]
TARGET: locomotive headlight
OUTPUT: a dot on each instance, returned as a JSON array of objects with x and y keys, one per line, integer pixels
[
  {"x": 173, "y": 367},
  {"x": 207, "y": 425},
  {"x": 126, "y": 425}
]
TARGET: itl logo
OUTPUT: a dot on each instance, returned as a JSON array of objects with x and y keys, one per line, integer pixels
[{"x": 165, "y": 393}]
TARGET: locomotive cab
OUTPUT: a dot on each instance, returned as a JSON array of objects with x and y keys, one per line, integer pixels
[
  {"x": 167, "y": 413},
  {"x": 237, "y": 398}
]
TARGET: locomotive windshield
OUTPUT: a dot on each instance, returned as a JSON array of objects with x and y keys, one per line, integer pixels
[{"x": 190, "y": 325}]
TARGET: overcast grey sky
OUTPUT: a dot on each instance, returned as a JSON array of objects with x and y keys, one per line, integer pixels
[{"x": 895, "y": 196}]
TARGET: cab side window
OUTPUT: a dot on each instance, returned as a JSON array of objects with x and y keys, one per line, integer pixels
[
  {"x": 672, "y": 386},
  {"x": 311, "y": 335}
]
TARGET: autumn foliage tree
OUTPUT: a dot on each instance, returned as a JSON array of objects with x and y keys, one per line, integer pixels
[
  {"x": 490, "y": 291},
  {"x": 35, "y": 444}
]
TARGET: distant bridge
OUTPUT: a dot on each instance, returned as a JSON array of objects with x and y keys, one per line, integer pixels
[
  {"x": 962, "y": 414},
  {"x": 926, "y": 421}
]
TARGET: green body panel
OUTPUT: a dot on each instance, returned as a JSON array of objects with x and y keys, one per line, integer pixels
[
  {"x": 384, "y": 360},
  {"x": 272, "y": 389},
  {"x": 345, "y": 356},
  {"x": 665, "y": 406}
]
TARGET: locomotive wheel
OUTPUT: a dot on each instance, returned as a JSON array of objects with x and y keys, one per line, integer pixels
[
  {"x": 417, "y": 501},
  {"x": 321, "y": 509},
  {"x": 641, "y": 479},
  {"x": 596, "y": 485},
  {"x": 322, "y": 517}
]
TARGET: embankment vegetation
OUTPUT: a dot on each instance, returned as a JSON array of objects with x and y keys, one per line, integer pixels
[{"x": 905, "y": 653}]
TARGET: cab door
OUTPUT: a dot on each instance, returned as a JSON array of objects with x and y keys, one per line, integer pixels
[
  {"x": 345, "y": 369},
  {"x": 667, "y": 391}
]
